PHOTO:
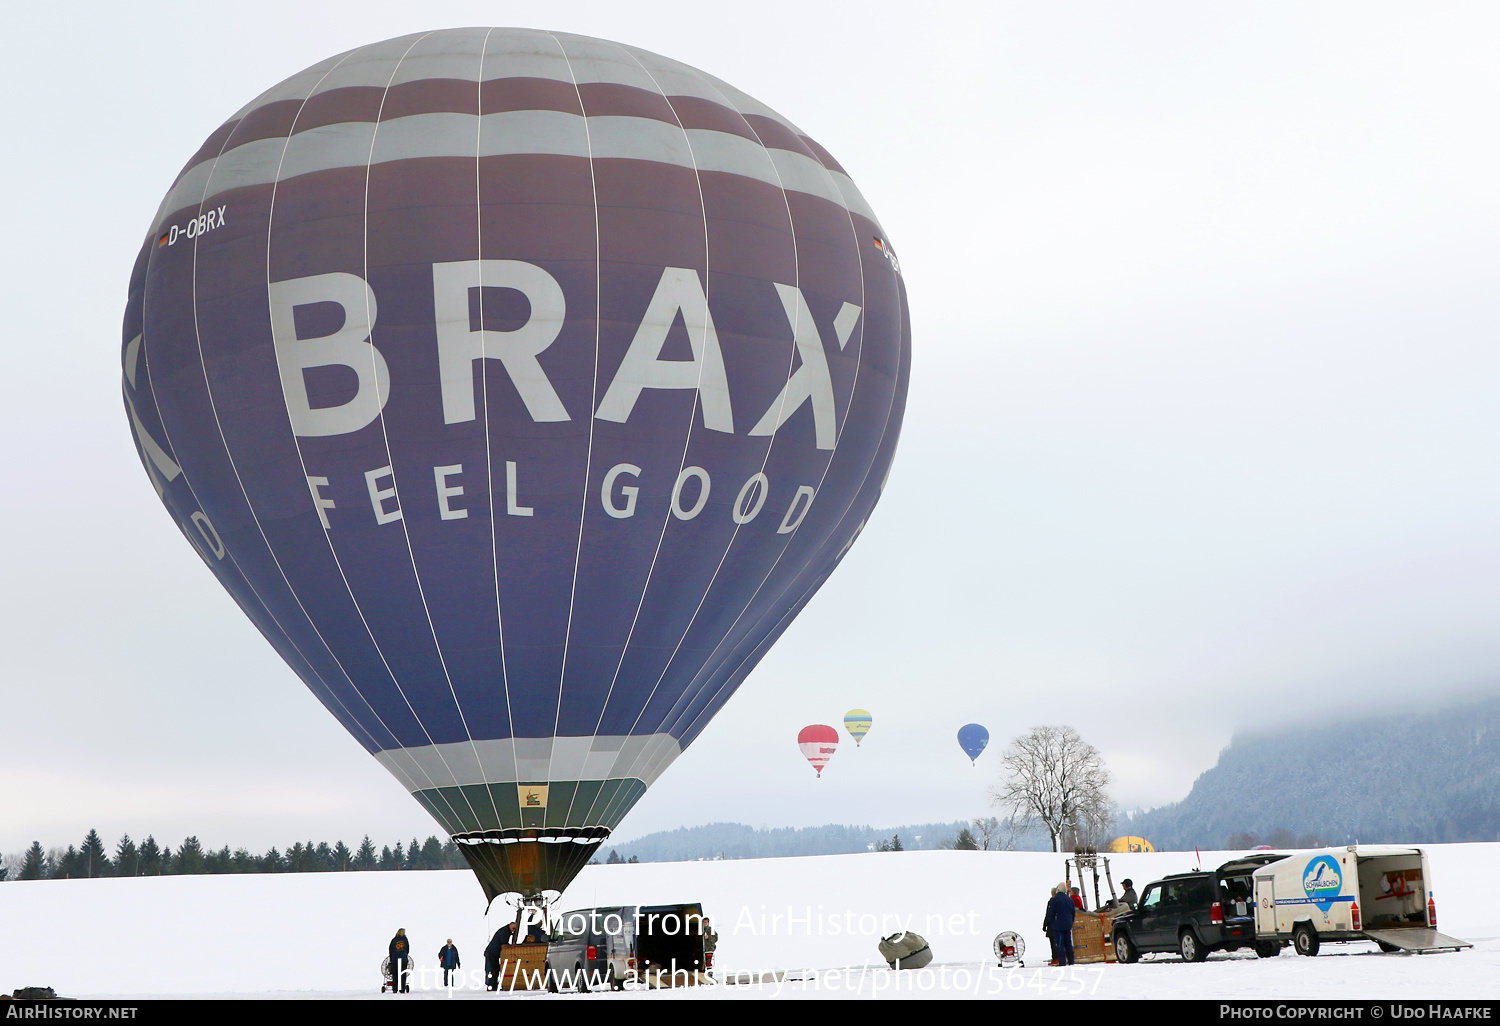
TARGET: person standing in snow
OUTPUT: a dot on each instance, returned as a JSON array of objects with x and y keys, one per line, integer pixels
[
  {"x": 400, "y": 952},
  {"x": 1047, "y": 927},
  {"x": 1060, "y": 913},
  {"x": 448, "y": 959}
]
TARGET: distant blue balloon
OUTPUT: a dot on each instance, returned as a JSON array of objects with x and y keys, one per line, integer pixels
[{"x": 972, "y": 738}]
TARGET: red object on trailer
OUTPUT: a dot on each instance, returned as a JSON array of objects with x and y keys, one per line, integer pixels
[
  {"x": 1354, "y": 914},
  {"x": 1431, "y": 913}
]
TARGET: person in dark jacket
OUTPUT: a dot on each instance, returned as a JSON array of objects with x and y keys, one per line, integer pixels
[
  {"x": 503, "y": 936},
  {"x": 1129, "y": 896},
  {"x": 1060, "y": 912},
  {"x": 400, "y": 952},
  {"x": 448, "y": 959},
  {"x": 1047, "y": 926}
]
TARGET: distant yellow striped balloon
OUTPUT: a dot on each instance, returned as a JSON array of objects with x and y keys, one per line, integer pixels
[{"x": 857, "y": 723}]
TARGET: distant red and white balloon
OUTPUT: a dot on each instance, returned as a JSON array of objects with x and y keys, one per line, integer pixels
[{"x": 818, "y": 743}]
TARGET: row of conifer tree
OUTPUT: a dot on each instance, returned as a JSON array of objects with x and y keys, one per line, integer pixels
[{"x": 148, "y": 858}]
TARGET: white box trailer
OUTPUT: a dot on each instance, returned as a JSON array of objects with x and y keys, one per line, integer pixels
[{"x": 1347, "y": 894}]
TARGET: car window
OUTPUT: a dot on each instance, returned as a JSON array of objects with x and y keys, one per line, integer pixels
[
  {"x": 573, "y": 924},
  {"x": 1236, "y": 888},
  {"x": 1152, "y": 897},
  {"x": 1171, "y": 893}
]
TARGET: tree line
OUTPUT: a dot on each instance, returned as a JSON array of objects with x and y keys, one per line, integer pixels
[{"x": 148, "y": 858}]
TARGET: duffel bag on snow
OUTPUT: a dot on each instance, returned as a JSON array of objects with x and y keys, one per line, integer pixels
[{"x": 905, "y": 950}]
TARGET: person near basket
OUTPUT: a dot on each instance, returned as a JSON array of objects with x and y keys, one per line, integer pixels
[{"x": 1060, "y": 913}]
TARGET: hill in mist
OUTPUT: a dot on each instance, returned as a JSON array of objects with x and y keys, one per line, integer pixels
[{"x": 1406, "y": 776}]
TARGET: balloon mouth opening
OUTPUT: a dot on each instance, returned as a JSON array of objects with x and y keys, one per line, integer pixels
[{"x": 529, "y": 862}]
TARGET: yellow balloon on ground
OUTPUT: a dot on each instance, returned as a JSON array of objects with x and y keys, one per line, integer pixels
[
  {"x": 1130, "y": 843},
  {"x": 857, "y": 723}
]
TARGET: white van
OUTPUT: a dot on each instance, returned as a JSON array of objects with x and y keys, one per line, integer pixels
[{"x": 1346, "y": 894}]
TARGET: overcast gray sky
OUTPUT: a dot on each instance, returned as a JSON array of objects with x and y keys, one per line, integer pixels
[{"x": 1202, "y": 431}]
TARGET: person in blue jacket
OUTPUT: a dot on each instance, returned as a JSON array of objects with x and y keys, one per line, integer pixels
[
  {"x": 1059, "y": 923},
  {"x": 448, "y": 959},
  {"x": 1047, "y": 926}
]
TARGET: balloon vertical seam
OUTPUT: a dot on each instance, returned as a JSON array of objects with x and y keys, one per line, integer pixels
[
  {"x": 797, "y": 606},
  {"x": 386, "y": 441},
  {"x": 484, "y": 386},
  {"x": 145, "y": 352},
  {"x": 667, "y": 724},
  {"x": 562, "y": 670},
  {"x": 333, "y": 552},
  {"x": 682, "y": 462},
  {"x": 791, "y": 360},
  {"x": 859, "y": 363}
]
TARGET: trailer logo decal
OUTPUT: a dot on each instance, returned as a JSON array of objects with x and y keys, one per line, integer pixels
[{"x": 1323, "y": 882}]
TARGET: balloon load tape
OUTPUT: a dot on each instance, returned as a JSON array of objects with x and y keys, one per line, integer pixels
[{"x": 528, "y": 861}]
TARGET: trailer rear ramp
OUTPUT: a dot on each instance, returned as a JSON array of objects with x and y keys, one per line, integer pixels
[{"x": 1417, "y": 940}]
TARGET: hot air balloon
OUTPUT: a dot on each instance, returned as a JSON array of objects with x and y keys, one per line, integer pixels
[
  {"x": 818, "y": 743},
  {"x": 521, "y": 387},
  {"x": 972, "y": 738},
  {"x": 857, "y": 723}
]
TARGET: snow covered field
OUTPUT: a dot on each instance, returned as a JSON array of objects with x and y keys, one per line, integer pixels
[{"x": 324, "y": 934}]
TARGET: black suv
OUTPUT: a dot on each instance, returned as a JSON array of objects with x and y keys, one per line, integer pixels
[{"x": 1195, "y": 913}]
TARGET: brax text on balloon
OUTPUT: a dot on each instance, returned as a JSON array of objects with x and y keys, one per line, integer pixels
[{"x": 461, "y": 349}]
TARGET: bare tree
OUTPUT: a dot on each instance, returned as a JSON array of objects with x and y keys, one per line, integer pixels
[
  {"x": 1056, "y": 778},
  {"x": 998, "y": 834}
]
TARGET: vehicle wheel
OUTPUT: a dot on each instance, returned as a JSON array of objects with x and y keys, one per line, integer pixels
[
  {"x": 583, "y": 980},
  {"x": 1124, "y": 950},
  {"x": 615, "y": 983},
  {"x": 551, "y": 980},
  {"x": 1267, "y": 949},
  {"x": 1191, "y": 950},
  {"x": 1305, "y": 939},
  {"x": 1386, "y": 947}
]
